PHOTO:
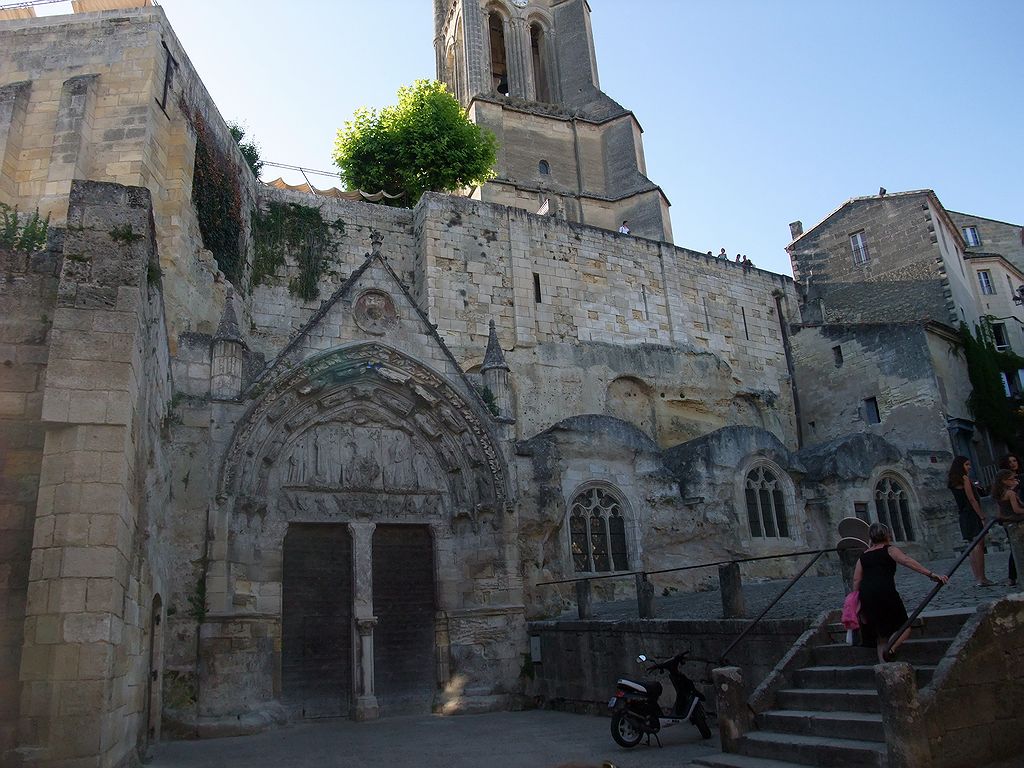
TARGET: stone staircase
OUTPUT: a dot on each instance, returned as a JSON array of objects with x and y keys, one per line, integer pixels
[{"x": 828, "y": 713}]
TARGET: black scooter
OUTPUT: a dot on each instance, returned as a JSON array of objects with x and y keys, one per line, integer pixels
[{"x": 635, "y": 708}]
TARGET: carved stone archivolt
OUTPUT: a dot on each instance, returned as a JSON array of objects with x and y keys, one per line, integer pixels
[{"x": 363, "y": 432}]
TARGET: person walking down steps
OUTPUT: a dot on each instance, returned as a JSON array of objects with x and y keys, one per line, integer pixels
[
  {"x": 972, "y": 520},
  {"x": 881, "y": 608}
]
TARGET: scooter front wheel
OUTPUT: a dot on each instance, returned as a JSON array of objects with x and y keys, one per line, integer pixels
[
  {"x": 700, "y": 719},
  {"x": 625, "y": 730}
]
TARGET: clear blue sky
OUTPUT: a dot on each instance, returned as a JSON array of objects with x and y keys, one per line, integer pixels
[{"x": 755, "y": 112}]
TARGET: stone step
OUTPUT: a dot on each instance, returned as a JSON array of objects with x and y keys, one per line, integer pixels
[
  {"x": 727, "y": 760},
  {"x": 944, "y": 623},
  {"x": 829, "y": 699},
  {"x": 813, "y": 750},
  {"x": 863, "y": 726},
  {"x": 923, "y": 650},
  {"x": 860, "y": 676}
]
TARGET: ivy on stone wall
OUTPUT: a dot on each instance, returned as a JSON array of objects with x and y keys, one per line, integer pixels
[
  {"x": 22, "y": 233},
  {"x": 992, "y": 409},
  {"x": 217, "y": 197},
  {"x": 297, "y": 231}
]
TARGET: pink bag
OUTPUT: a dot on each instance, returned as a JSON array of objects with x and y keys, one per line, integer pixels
[{"x": 851, "y": 607}]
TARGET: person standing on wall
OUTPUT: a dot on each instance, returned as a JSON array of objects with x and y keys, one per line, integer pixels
[
  {"x": 881, "y": 608},
  {"x": 972, "y": 520},
  {"x": 624, "y": 230}
]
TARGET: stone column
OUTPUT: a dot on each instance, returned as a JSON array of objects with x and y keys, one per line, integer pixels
[
  {"x": 731, "y": 585},
  {"x": 362, "y": 610},
  {"x": 903, "y": 720},
  {"x": 478, "y": 68},
  {"x": 644, "y": 596},
  {"x": 734, "y": 717},
  {"x": 516, "y": 52},
  {"x": 13, "y": 106},
  {"x": 69, "y": 156},
  {"x": 584, "y": 599}
]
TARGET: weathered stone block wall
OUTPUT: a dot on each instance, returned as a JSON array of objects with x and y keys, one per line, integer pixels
[
  {"x": 996, "y": 237},
  {"x": 85, "y": 662},
  {"x": 581, "y": 660},
  {"x": 28, "y": 293},
  {"x": 98, "y": 111},
  {"x": 891, "y": 363},
  {"x": 968, "y": 710},
  {"x": 915, "y": 257}
]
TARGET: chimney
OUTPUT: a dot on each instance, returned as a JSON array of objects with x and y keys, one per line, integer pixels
[
  {"x": 796, "y": 228},
  {"x": 881, "y": 191}
]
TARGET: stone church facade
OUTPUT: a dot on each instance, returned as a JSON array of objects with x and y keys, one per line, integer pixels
[{"x": 229, "y": 500}]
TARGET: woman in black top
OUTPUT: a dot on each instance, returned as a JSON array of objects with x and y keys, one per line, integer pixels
[
  {"x": 881, "y": 609},
  {"x": 969, "y": 510}
]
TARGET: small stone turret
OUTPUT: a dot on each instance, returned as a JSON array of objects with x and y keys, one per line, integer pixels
[
  {"x": 495, "y": 373},
  {"x": 227, "y": 355}
]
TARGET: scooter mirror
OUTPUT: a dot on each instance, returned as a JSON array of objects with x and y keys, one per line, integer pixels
[{"x": 641, "y": 658}]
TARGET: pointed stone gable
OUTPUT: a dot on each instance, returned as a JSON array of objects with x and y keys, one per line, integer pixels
[{"x": 372, "y": 305}]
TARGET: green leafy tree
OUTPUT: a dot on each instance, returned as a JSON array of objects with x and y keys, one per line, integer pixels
[
  {"x": 423, "y": 143},
  {"x": 250, "y": 149}
]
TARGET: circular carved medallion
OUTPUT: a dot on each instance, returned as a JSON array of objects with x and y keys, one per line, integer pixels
[{"x": 375, "y": 313}]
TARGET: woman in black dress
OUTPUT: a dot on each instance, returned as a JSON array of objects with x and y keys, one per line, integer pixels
[
  {"x": 881, "y": 609},
  {"x": 972, "y": 521}
]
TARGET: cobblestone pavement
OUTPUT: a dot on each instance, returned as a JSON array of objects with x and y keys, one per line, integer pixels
[
  {"x": 813, "y": 594},
  {"x": 535, "y": 739}
]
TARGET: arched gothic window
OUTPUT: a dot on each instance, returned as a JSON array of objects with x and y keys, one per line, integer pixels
[
  {"x": 597, "y": 531},
  {"x": 766, "y": 504},
  {"x": 538, "y": 57},
  {"x": 892, "y": 508}
]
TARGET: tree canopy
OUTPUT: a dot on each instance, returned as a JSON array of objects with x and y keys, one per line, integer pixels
[{"x": 422, "y": 143}]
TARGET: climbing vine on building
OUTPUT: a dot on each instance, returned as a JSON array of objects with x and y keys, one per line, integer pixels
[
  {"x": 217, "y": 196},
  {"x": 299, "y": 232},
  {"x": 988, "y": 401}
]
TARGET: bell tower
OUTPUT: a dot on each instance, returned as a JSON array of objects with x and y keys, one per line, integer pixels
[{"x": 527, "y": 70}]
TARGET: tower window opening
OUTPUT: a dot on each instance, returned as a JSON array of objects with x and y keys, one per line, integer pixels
[
  {"x": 539, "y": 60},
  {"x": 499, "y": 59},
  {"x": 536, "y": 288},
  {"x": 544, "y": 167}
]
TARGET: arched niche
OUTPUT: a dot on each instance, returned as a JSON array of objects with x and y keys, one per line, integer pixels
[{"x": 630, "y": 399}]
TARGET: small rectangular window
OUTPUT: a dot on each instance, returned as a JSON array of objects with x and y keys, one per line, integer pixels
[
  {"x": 536, "y": 288},
  {"x": 859, "y": 246},
  {"x": 837, "y": 355},
  {"x": 871, "y": 414},
  {"x": 971, "y": 236},
  {"x": 999, "y": 337},
  {"x": 860, "y": 509},
  {"x": 985, "y": 281},
  {"x": 169, "y": 67}
]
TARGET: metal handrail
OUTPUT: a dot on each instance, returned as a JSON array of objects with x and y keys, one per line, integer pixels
[
  {"x": 939, "y": 585},
  {"x": 623, "y": 574},
  {"x": 723, "y": 659}
]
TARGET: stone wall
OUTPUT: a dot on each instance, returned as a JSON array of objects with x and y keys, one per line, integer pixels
[
  {"x": 93, "y": 576},
  {"x": 99, "y": 111},
  {"x": 966, "y": 715},
  {"x": 839, "y": 366},
  {"x": 996, "y": 237},
  {"x": 581, "y": 660},
  {"x": 28, "y": 293},
  {"x": 915, "y": 270}
]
